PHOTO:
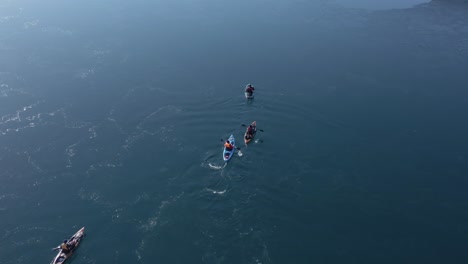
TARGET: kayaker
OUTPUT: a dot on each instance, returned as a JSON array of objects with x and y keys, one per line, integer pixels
[
  {"x": 228, "y": 145},
  {"x": 71, "y": 244},
  {"x": 249, "y": 89},
  {"x": 250, "y": 130},
  {"x": 64, "y": 246}
]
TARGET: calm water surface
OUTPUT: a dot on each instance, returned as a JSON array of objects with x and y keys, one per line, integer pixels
[{"x": 112, "y": 115}]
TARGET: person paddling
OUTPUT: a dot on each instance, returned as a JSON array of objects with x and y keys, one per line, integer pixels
[
  {"x": 64, "y": 247},
  {"x": 249, "y": 89},
  {"x": 250, "y": 129},
  {"x": 228, "y": 145}
]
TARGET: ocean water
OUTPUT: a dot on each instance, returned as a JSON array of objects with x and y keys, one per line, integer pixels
[{"x": 112, "y": 115}]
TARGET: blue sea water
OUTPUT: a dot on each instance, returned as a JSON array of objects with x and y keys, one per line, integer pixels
[{"x": 112, "y": 115}]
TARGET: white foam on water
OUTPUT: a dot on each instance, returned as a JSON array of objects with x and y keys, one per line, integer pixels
[
  {"x": 83, "y": 74},
  {"x": 89, "y": 196},
  {"x": 57, "y": 30},
  {"x": 31, "y": 23},
  {"x": 17, "y": 116},
  {"x": 5, "y": 90},
  {"x": 70, "y": 152},
  {"x": 216, "y": 167},
  {"x": 103, "y": 164},
  {"x": 6, "y": 18},
  {"x": 93, "y": 132},
  {"x": 97, "y": 52},
  {"x": 216, "y": 192},
  {"x": 33, "y": 163},
  {"x": 140, "y": 130},
  {"x": 153, "y": 221}
]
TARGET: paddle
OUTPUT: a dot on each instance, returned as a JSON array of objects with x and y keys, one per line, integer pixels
[
  {"x": 257, "y": 129},
  {"x": 56, "y": 248}
]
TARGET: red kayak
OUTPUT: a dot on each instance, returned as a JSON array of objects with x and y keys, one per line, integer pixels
[{"x": 249, "y": 137}]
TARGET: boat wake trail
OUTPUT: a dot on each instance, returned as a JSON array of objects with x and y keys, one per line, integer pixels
[{"x": 217, "y": 167}]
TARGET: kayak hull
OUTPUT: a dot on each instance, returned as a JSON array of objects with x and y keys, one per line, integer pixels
[
  {"x": 249, "y": 96},
  {"x": 61, "y": 257},
  {"x": 227, "y": 155},
  {"x": 254, "y": 124}
]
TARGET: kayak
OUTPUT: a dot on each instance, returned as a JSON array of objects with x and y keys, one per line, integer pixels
[
  {"x": 249, "y": 96},
  {"x": 254, "y": 125},
  {"x": 227, "y": 154},
  {"x": 73, "y": 243}
]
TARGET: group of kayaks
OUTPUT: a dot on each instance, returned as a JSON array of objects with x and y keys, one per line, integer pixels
[
  {"x": 68, "y": 247},
  {"x": 248, "y": 136}
]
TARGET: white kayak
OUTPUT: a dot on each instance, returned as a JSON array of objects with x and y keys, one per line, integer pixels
[{"x": 72, "y": 244}]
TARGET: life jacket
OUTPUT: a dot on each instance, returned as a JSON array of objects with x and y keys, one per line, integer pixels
[
  {"x": 64, "y": 246},
  {"x": 227, "y": 146},
  {"x": 249, "y": 89}
]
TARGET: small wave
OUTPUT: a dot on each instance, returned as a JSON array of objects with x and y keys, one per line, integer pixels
[
  {"x": 93, "y": 132},
  {"x": 57, "y": 30},
  {"x": 16, "y": 117},
  {"x": 153, "y": 221},
  {"x": 6, "y": 18},
  {"x": 217, "y": 167},
  {"x": 103, "y": 164},
  {"x": 216, "y": 192},
  {"x": 140, "y": 248},
  {"x": 89, "y": 196},
  {"x": 70, "y": 151},
  {"x": 8, "y": 196},
  {"x": 29, "y": 24},
  {"x": 32, "y": 163},
  {"x": 97, "y": 52},
  {"x": 5, "y": 91},
  {"x": 8, "y": 130},
  {"x": 146, "y": 127},
  {"x": 85, "y": 73}
]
